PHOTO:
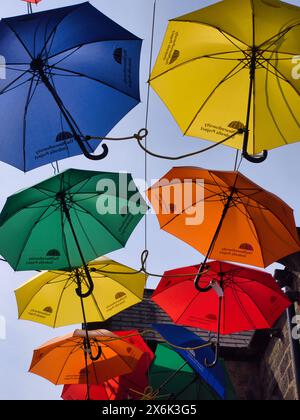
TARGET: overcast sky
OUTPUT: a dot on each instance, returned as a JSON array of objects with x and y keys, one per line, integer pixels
[{"x": 278, "y": 174}]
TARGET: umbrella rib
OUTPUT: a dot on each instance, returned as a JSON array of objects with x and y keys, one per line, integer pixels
[
  {"x": 68, "y": 55},
  {"x": 285, "y": 79},
  {"x": 227, "y": 77},
  {"x": 99, "y": 221},
  {"x": 8, "y": 88},
  {"x": 96, "y": 304},
  {"x": 243, "y": 310},
  {"x": 270, "y": 108},
  {"x": 75, "y": 73},
  {"x": 59, "y": 303},
  {"x": 73, "y": 350},
  {"x": 278, "y": 36},
  {"x": 255, "y": 232},
  {"x": 213, "y": 56},
  {"x": 189, "y": 207},
  {"x": 53, "y": 32},
  {"x": 282, "y": 224},
  {"x": 31, "y": 299},
  {"x": 90, "y": 43},
  {"x": 188, "y": 306},
  {"x": 30, "y": 95},
  {"x": 211, "y": 26},
  {"x": 253, "y": 301},
  {"x": 286, "y": 102},
  {"x": 29, "y": 234},
  {"x": 18, "y": 37},
  {"x": 85, "y": 234},
  {"x": 64, "y": 239}
]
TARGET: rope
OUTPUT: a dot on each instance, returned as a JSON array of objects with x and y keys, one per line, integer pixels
[
  {"x": 156, "y": 155},
  {"x": 143, "y": 269},
  {"x": 134, "y": 136},
  {"x": 148, "y": 331}
]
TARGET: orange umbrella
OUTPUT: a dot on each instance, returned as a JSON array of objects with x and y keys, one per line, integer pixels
[
  {"x": 65, "y": 360},
  {"x": 225, "y": 216}
]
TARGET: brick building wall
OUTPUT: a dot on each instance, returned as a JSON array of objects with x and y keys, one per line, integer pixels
[{"x": 276, "y": 370}]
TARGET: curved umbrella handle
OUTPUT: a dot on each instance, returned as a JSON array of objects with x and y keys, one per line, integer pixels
[
  {"x": 214, "y": 363},
  {"x": 88, "y": 349},
  {"x": 90, "y": 289},
  {"x": 247, "y": 156},
  {"x": 98, "y": 355},
  {"x": 203, "y": 270},
  {"x": 87, "y": 154},
  {"x": 253, "y": 159}
]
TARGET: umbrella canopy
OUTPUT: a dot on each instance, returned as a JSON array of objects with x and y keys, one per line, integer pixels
[
  {"x": 50, "y": 298},
  {"x": 227, "y": 69},
  {"x": 63, "y": 360},
  {"x": 70, "y": 72},
  {"x": 252, "y": 299},
  {"x": 180, "y": 337},
  {"x": 204, "y": 207},
  {"x": 124, "y": 387},
  {"x": 171, "y": 378},
  {"x": 69, "y": 219},
  {"x": 79, "y": 392}
]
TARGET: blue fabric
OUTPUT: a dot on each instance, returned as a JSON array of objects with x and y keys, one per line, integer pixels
[
  {"x": 182, "y": 337},
  {"x": 92, "y": 62}
]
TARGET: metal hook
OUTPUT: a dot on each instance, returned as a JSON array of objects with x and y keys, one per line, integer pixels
[{"x": 211, "y": 365}]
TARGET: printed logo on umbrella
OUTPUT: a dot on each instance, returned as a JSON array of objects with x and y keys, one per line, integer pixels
[
  {"x": 53, "y": 253},
  {"x": 48, "y": 310},
  {"x": 120, "y": 299},
  {"x": 120, "y": 295},
  {"x": 247, "y": 247}
]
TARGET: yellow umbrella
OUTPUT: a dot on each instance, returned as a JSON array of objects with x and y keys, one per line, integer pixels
[
  {"x": 51, "y": 298},
  {"x": 230, "y": 71}
]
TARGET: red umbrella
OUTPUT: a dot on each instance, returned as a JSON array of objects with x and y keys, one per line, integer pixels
[
  {"x": 30, "y": 3},
  {"x": 125, "y": 387},
  {"x": 236, "y": 298}
]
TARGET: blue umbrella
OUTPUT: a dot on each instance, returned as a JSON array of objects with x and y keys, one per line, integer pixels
[
  {"x": 217, "y": 378},
  {"x": 71, "y": 74}
]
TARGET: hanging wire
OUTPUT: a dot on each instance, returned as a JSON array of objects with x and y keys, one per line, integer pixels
[
  {"x": 236, "y": 160},
  {"x": 144, "y": 261}
]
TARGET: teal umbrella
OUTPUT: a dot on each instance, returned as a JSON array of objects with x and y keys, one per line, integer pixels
[
  {"x": 68, "y": 220},
  {"x": 171, "y": 378}
]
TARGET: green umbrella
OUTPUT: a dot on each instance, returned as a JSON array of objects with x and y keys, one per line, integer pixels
[
  {"x": 68, "y": 220},
  {"x": 171, "y": 378}
]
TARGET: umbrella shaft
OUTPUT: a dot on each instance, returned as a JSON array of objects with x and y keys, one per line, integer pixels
[
  {"x": 251, "y": 87},
  {"x": 225, "y": 211},
  {"x": 62, "y": 108},
  {"x": 68, "y": 216}
]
